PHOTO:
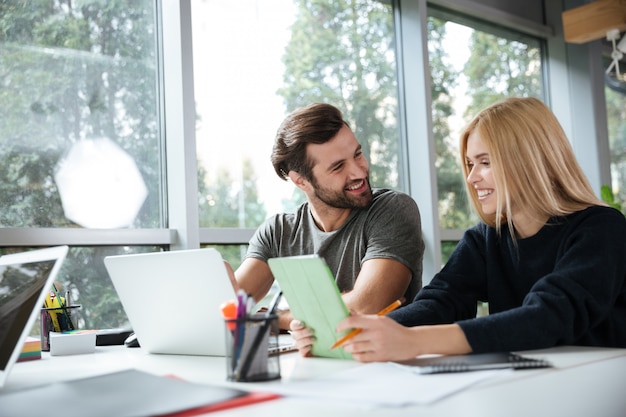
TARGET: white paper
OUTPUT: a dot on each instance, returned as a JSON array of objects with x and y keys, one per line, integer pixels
[{"x": 383, "y": 385}]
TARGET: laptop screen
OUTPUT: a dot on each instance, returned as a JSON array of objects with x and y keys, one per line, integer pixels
[{"x": 25, "y": 279}]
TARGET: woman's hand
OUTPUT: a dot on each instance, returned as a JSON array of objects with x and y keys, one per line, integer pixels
[
  {"x": 382, "y": 339},
  {"x": 377, "y": 339}
]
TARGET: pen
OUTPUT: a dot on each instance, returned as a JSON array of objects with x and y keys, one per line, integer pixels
[
  {"x": 68, "y": 325},
  {"x": 354, "y": 332},
  {"x": 274, "y": 304},
  {"x": 242, "y": 313}
]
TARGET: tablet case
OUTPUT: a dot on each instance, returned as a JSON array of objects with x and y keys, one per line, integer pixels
[{"x": 309, "y": 286}]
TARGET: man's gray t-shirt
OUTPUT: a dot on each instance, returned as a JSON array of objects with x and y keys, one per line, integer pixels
[{"x": 389, "y": 228}]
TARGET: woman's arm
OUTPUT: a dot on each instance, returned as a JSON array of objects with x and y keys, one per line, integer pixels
[{"x": 382, "y": 339}]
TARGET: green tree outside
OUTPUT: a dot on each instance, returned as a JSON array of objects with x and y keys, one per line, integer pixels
[
  {"x": 616, "y": 121},
  {"x": 73, "y": 71},
  {"x": 334, "y": 57},
  {"x": 501, "y": 67}
]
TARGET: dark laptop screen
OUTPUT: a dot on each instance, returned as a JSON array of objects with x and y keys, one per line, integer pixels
[{"x": 20, "y": 288}]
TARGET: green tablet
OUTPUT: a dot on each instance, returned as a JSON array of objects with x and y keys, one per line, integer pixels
[{"x": 313, "y": 297}]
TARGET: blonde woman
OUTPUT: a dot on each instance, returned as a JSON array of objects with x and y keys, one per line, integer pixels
[{"x": 548, "y": 256}]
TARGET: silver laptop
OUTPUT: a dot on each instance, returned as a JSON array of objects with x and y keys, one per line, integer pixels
[
  {"x": 172, "y": 299},
  {"x": 25, "y": 280}
]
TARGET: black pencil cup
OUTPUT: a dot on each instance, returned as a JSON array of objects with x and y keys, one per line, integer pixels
[{"x": 248, "y": 358}]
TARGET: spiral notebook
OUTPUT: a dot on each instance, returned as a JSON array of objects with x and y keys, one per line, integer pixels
[{"x": 474, "y": 362}]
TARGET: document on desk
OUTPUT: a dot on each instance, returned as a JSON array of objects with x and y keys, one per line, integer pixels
[
  {"x": 383, "y": 385},
  {"x": 130, "y": 393}
]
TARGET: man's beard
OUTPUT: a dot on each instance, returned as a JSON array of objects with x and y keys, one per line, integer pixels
[{"x": 343, "y": 199}]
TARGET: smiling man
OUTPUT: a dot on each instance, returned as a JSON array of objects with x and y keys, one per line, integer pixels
[{"x": 371, "y": 239}]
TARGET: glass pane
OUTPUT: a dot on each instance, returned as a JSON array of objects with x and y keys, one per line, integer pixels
[
  {"x": 78, "y": 101},
  {"x": 257, "y": 60},
  {"x": 234, "y": 254},
  {"x": 472, "y": 66},
  {"x": 616, "y": 119},
  {"x": 90, "y": 286},
  {"x": 447, "y": 248}
]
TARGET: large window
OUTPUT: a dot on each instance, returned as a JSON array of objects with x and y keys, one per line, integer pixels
[
  {"x": 616, "y": 119},
  {"x": 79, "y": 132},
  {"x": 257, "y": 60},
  {"x": 79, "y": 128},
  {"x": 472, "y": 65}
]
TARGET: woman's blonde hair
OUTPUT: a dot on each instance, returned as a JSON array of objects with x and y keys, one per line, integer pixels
[{"x": 532, "y": 161}]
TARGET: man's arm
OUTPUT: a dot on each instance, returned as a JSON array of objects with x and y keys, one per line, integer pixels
[
  {"x": 254, "y": 277},
  {"x": 380, "y": 282}
]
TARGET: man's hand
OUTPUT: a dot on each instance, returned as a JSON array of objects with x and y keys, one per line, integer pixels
[
  {"x": 284, "y": 319},
  {"x": 303, "y": 336}
]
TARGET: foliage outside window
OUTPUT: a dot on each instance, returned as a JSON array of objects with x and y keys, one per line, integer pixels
[
  {"x": 472, "y": 65},
  {"x": 281, "y": 55},
  {"x": 70, "y": 73},
  {"x": 616, "y": 120}
]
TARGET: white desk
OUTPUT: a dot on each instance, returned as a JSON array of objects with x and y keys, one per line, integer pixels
[{"x": 584, "y": 382}]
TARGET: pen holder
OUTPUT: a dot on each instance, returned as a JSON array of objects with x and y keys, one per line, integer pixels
[
  {"x": 247, "y": 348},
  {"x": 55, "y": 319}
]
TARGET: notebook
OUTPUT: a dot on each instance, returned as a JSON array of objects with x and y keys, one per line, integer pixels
[
  {"x": 172, "y": 299},
  {"x": 474, "y": 362},
  {"x": 25, "y": 280},
  {"x": 309, "y": 286}
]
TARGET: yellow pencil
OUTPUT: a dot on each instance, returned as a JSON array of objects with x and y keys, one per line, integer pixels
[
  {"x": 354, "y": 332},
  {"x": 48, "y": 302}
]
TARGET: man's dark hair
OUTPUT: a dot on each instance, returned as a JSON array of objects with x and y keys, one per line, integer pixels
[{"x": 316, "y": 123}]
